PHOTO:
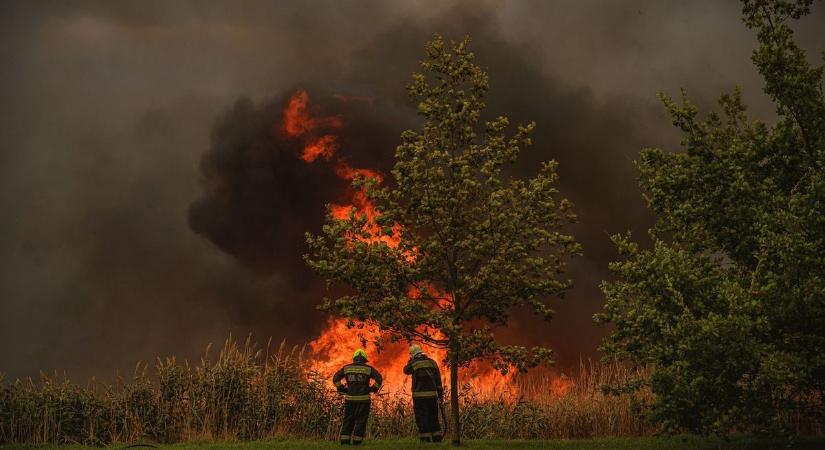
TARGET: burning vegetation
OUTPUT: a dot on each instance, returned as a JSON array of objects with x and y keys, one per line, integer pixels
[{"x": 246, "y": 392}]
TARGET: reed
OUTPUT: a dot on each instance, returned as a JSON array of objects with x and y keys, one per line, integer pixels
[{"x": 245, "y": 392}]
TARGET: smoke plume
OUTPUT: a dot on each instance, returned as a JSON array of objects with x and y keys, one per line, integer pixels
[{"x": 151, "y": 204}]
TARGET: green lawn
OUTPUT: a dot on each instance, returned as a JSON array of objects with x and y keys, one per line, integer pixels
[{"x": 678, "y": 443}]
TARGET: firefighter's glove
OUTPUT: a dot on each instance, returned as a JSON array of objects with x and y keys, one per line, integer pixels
[
  {"x": 342, "y": 389},
  {"x": 373, "y": 388}
]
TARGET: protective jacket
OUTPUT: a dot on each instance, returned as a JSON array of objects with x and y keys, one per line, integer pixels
[
  {"x": 426, "y": 378},
  {"x": 358, "y": 376},
  {"x": 427, "y": 392}
]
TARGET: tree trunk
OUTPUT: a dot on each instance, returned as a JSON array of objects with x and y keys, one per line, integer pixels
[{"x": 456, "y": 431}]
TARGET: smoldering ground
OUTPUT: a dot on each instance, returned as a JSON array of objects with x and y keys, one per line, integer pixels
[{"x": 114, "y": 246}]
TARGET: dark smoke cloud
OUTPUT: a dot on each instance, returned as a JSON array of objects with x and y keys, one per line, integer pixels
[
  {"x": 122, "y": 128},
  {"x": 260, "y": 197}
]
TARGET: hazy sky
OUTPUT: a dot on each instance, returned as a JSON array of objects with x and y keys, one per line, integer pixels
[{"x": 108, "y": 109}]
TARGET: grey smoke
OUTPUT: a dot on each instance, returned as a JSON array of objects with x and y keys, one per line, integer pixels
[{"x": 112, "y": 109}]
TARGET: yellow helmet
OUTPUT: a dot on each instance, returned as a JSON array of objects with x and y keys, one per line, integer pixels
[
  {"x": 415, "y": 349},
  {"x": 360, "y": 352}
]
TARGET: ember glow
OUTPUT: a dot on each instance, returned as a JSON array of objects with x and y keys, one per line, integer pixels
[
  {"x": 334, "y": 347},
  {"x": 560, "y": 386}
]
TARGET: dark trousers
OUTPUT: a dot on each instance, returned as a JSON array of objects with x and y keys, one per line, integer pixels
[
  {"x": 426, "y": 418},
  {"x": 354, "y": 425}
]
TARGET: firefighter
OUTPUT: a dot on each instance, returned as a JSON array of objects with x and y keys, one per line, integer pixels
[
  {"x": 357, "y": 391},
  {"x": 427, "y": 393}
]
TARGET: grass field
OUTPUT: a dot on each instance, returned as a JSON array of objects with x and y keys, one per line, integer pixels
[{"x": 642, "y": 443}]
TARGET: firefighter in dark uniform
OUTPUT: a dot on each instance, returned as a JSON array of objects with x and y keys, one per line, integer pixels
[
  {"x": 427, "y": 393},
  {"x": 357, "y": 391}
]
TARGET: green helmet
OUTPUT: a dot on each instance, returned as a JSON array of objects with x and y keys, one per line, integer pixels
[
  {"x": 415, "y": 349},
  {"x": 360, "y": 352}
]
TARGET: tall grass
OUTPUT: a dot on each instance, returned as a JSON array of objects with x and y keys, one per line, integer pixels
[
  {"x": 248, "y": 393},
  {"x": 557, "y": 406},
  {"x": 243, "y": 394}
]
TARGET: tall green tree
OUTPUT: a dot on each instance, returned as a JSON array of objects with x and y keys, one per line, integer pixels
[
  {"x": 474, "y": 242},
  {"x": 727, "y": 308}
]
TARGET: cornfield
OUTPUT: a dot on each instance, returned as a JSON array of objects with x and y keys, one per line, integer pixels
[{"x": 249, "y": 393}]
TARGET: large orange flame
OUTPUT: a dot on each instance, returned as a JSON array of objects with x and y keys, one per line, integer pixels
[{"x": 334, "y": 347}]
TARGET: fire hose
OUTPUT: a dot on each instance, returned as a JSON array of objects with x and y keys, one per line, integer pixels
[
  {"x": 440, "y": 403},
  {"x": 443, "y": 415}
]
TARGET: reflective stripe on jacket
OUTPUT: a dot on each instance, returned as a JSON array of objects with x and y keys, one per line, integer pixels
[
  {"x": 426, "y": 378},
  {"x": 357, "y": 376}
]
